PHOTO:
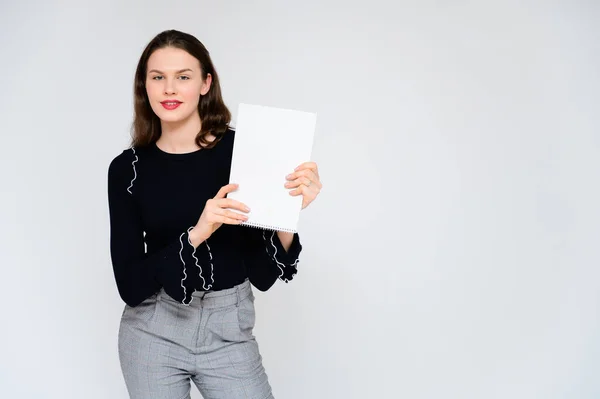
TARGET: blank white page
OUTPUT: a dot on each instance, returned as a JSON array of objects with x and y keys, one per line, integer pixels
[{"x": 269, "y": 144}]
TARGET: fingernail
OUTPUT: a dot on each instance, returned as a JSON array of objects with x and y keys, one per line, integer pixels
[{"x": 288, "y": 176}]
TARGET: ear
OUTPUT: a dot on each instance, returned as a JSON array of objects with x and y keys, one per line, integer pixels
[{"x": 206, "y": 84}]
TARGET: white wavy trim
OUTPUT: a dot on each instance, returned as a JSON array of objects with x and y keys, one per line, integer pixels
[
  {"x": 212, "y": 278},
  {"x": 274, "y": 257},
  {"x": 184, "y": 273},
  {"x": 134, "y": 171}
]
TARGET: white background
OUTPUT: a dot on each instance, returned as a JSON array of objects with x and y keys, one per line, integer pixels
[{"x": 453, "y": 252}]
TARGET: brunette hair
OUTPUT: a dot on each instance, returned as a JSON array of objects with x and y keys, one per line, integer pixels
[{"x": 214, "y": 114}]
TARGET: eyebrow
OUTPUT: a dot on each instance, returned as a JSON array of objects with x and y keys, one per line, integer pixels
[{"x": 180, "y": 71}]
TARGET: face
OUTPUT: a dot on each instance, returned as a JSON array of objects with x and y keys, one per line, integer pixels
[{"x": 174, "y": 84}]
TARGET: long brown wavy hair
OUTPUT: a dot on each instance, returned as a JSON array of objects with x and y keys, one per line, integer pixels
[{"x": 214, "y": 114}]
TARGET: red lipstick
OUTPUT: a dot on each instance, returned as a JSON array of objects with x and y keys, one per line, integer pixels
[{"x": 170, "y": 104}]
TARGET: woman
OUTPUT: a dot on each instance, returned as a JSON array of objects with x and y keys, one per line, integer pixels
[{"x": 182, "y": 263}]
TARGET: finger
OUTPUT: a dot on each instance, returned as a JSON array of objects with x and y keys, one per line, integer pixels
[
  {"x": 302, "y": 189},
  {"x": 226, "y": 190},
  {"x": 312, "y": 177},
  {"x": 311, "y": 191},
  {"x": 226, "y": 220},
  {"x": 301, "y": 180},
  {"x": 219, "y": 214},
  {"x": 304, "y": 172},
  {"x": 233, "y": 215},
  {"x": 305, "y": 165},
  {"x": 215, "y": 214},
  {"x": 231, "y": 203},
  {"x": 308, "y": 165}
]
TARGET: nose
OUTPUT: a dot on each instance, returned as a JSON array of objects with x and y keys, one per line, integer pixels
[{"x": 169, "y": 87}]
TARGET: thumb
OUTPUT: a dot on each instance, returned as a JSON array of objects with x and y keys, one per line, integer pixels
[{"x": 226, "y": 190}]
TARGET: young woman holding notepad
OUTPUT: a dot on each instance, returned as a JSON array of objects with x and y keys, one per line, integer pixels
[{"x": 182, "y": 263}]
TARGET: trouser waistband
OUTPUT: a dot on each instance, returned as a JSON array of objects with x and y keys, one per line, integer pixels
[{"x": 215, "y": 299}]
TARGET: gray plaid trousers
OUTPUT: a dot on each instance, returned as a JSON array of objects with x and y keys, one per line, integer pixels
[{"x": 164, "y": 344}]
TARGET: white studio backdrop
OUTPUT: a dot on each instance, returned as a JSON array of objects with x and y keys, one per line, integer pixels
[{"x": 453, "y": 252}]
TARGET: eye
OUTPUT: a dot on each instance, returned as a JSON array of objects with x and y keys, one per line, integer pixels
[{"x": 158, "y": 77}]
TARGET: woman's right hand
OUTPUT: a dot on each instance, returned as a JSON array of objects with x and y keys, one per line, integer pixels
[{"x": 215, "y": 213}]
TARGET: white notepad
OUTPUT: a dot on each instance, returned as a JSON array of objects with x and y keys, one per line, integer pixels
[{"x": 269, "y": 144}]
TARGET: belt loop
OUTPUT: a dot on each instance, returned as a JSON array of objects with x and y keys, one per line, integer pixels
[{"x": 237, "y": 292}]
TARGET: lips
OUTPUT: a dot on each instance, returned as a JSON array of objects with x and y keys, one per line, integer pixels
[{"x": 170, "y": 104}]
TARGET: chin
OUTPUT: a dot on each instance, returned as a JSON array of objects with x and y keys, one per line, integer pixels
[{"x": 170, "y": 118}]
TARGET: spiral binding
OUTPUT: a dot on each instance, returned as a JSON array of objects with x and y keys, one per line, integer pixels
[{"x": 268, "y": 227}]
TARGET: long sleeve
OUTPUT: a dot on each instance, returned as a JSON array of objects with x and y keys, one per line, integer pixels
[
  {"x": 139, "y": 275},
  {"x": 266, "y": 260}
]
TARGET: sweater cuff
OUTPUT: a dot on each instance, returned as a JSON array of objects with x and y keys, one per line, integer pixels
[
  {"x": 185, "y": 268},
  {"x": 287, "y": 261}
]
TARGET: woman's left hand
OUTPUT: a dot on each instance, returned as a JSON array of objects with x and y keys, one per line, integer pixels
[{"x": 305, "y": 179}]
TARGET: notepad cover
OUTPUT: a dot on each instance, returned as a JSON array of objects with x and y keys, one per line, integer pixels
[{"x": 269, "y": 144}]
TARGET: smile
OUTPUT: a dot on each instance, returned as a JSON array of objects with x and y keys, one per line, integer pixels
[{"x": 170, "y": 104}]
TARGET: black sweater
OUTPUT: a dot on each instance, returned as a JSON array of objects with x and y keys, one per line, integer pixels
[{"x": 154, "y": 199}]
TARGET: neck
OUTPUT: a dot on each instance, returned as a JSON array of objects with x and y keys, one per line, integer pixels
[{"x": 180, "y": 136}]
